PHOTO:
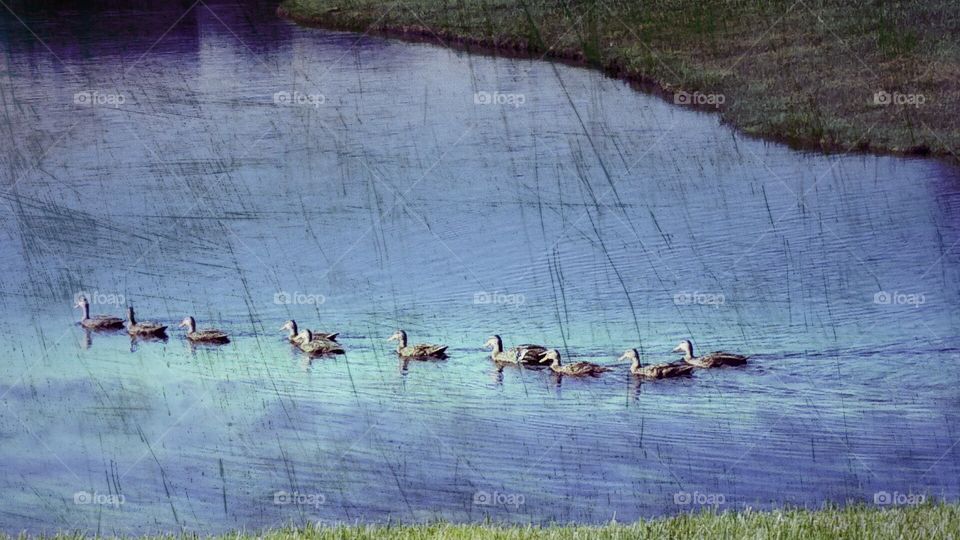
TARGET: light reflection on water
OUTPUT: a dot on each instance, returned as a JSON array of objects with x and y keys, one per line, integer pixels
[{"x": 593, "y": 217}]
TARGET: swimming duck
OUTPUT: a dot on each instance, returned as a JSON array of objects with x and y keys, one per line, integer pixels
[
  {"x": 714, "y": 359},
  {"x": 97, "y": 322},
  {"x": 143, "y": 329},
  {"x": 576, "y": 369},
  {"x": 294, "y": 332},
  {"x": 316, "y": 345},
  {"x": 656, "y": 371},
  {"x": 208, "y": 335},
  {"x": 521, "y": 354},
  {"x": 420, "y": 350}
]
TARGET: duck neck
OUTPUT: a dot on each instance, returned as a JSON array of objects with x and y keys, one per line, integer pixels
[
  {"x": 497, "y": 347},
  {"x": 130, "y": 317},
  {"x": 688, "y": 355},
  {"x": 635, "y": 365},
  {"x": 86, "y": 311},
  {"x": 191, "y": 326},
  {"x": 294, "y": 332},
  {"x": 401, "y": 342}
]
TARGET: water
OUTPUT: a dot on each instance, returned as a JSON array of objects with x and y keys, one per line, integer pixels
[{"x": 589, "y": 217}]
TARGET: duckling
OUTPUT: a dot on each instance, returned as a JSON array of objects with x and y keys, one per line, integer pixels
[
  {"x": 209, "y": 335},
  {"x": 294, "y": 332},
  {"x": 577, "y": 369},
  {"x": 420, "y": 350},
  {"x": 521, "y": 354},
  {"x": 314, "y": 345},
  {"x": 97, "y": 322},
  {"x": 656, "y": 371},
  {"x": 144, "y": 329},
  {"x": 714, "y": 359}
]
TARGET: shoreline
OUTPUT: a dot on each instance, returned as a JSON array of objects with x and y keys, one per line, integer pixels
[
  {"x": 614, "y": 68},
  {"x": 928, "y": 520}
]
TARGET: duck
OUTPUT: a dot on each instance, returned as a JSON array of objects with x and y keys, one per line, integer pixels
[
  {"x": 315, "y": 345},
  {"x": 97, "y": 322},
  {"x": 521, "y": 354},
  {"x": 576, "y": 369},
  {"x": 655, "y": 371},
  {"x": 143, "y": 329},
  {"x": 209, "y": 335},
  {"x": 420, "y": 350},
  {"x": 714, "y": 359},
  {"x": 294, "y": 332}
]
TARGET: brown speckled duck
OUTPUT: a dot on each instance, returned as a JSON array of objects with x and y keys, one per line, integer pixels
[
  {"x": 144, "y": 329},
  {"x": 711, "y": 360},
  {"x": 97, "y": 322},
  {"x": 655, "y": 371},
  {"x": 577, "y": 369},
  {"x": 209, "y": 335},
  {"x": 294, "y": 332},
  {"x": 420, "y": 350},
  {"x": 315, "y": 345},
  {"x": 521, "y": 354}
]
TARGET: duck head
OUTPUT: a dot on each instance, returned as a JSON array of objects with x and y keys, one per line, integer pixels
[
  {"x": 399, "y": 336},
  {"x": 631, "y": 355},
  {"x": 553, "y": 356},
  {"x": 189, "y": 323},
  {"x": 84, "y": 305},
  {"x": 684, "y": 347},
  {"x": 290, "y": 326},
  {"x": 494, "y": 342}
]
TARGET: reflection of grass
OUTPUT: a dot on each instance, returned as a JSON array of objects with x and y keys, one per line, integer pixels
[{"x": 805, "y": 72}]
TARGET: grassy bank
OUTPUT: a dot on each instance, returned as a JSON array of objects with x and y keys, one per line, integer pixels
[
  {"x": 806, "y": 72},
  {"x": 927, "y": 521}
]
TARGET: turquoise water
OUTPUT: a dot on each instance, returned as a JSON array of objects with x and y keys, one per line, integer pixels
[{"x": 379, "y": 190}]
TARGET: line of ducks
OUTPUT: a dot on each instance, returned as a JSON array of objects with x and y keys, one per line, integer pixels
[
  {"x": 528, "y": 354},
  {"x": 317, "y": 343}
]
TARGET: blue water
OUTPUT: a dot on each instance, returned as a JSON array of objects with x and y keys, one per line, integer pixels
[{"x": 379, "y": 194}]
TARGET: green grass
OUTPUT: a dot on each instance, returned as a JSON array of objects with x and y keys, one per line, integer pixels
[
  {"x": 921, "y": 522},
  {"x": 804, "y": 72}
]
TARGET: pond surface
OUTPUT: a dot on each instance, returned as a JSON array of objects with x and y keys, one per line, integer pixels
[{"x": 246, "y": 171}]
